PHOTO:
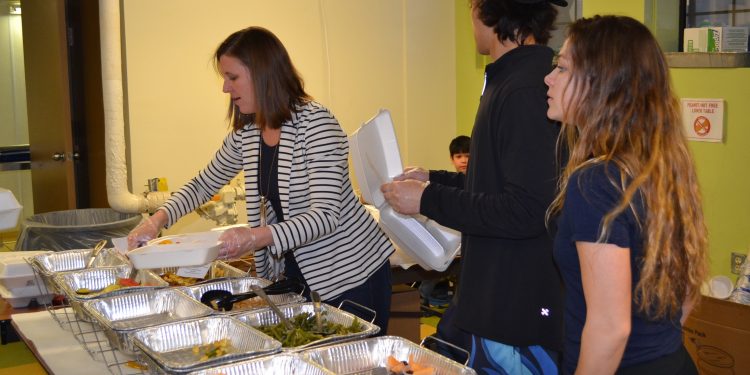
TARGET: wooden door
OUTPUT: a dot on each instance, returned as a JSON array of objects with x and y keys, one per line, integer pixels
[{"x": 48, "y": 104}]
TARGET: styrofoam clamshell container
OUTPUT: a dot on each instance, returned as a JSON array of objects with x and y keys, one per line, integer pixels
[
  {"x": 267, "y": 317},
  {"x": 364, "y": 355},
  {"x": 168, "y": 348},
  {"x": 10, "y": 209},
  {"x": 96, "y": 279},
  {"x": 50, "y": 264},
  {"x": 241, "y": 285},
  {"x": 278, "y": 364},
  {"x": 22, "y": 297},
  {"x": 375, "y": 161},
  {"x": 181, "y": 250},
  {"x": 15, "y": 270},
  {"x": 121, "y": 315}
]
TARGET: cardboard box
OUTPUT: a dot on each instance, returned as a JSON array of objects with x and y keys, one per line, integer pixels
[
  {"x": 405, "y": 313},
  {"x": 701, "y": 39},
  {"x": 717, "y": 336}
]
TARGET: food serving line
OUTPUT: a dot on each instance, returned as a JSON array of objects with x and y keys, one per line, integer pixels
[{"x": 145, "y": 325}]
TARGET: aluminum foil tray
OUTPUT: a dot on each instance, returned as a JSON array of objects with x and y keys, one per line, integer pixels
[
  {"x": 241, "y": 285},
  {"x": 48, "y": 265},
  {"x": 121, "y": 315},
  {"x": 217, "y": 270},
  {"x": 266, "y": 316},
  {"x": 97, "y": 279},
  {"x": 170, "y": 346},
  {"x": 278, "y": 364},
  {"x": 366, "y": 355}
]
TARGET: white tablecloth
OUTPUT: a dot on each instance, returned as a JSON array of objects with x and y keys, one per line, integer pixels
[{"x": 57, "y": 348}]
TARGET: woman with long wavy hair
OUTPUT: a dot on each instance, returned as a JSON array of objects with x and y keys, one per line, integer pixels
[{"x": 631, "y": 241}]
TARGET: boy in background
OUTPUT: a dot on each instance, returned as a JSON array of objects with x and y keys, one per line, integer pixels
[
  {"x": 438, "y": 292},
  {"x": 459, "y": 149}
]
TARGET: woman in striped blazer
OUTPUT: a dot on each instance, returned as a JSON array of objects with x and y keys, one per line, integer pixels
[{"x": 304, "y": 218}]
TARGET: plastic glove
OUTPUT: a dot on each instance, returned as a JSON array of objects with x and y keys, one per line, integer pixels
[
  {"x": 236, "y": 241},
  {"x": 404, "y": 196},
  {"x": 413, "y": 173},
  {"x": 145, "y": 231}
]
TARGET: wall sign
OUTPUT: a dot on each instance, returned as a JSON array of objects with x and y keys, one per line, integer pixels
[{"x": 703, "y": 119}]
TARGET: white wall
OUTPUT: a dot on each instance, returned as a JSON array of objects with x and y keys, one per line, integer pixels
[
  {"x": 356, "y": 56},
  {"x": 13, "y": 118}
]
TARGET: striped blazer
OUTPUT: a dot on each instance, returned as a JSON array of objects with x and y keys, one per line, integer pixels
[{"x": 335, "y": 241}]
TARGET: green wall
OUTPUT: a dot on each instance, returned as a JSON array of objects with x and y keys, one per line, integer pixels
[
  {"x": 723, "y": 168},
  {"x": 469, "y": 70}
]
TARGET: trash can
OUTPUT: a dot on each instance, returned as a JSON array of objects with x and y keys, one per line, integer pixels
[{"x": 74, "y": 229}]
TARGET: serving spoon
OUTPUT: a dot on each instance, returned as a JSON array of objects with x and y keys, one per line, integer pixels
[
  {"x": 316, "y": 310},
  {"x": 224, "y": 300},
  {"x": 97, "y": 249},
  {"x": 287, "y": 324}
]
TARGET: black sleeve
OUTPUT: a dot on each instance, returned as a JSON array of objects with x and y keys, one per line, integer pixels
[
  {"x": 447, "y": 178},
  {"x": 523, "y": 148}
]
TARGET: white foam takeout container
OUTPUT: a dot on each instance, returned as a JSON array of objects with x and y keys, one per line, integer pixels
[
  {"x": 10, "y": 210},
  {"x": 179, "y": 250},
  {"x": 21, "y": 297},
  {"x": 15, "y": 272},
  {"x": 376, "y": 160}
]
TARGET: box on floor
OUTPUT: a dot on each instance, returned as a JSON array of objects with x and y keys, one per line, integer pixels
[
  {"x": 717, "y": 336},
  {"x": 405, "y": 313}
]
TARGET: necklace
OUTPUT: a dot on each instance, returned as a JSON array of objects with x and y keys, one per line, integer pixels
[{"x": 263, "y": 196}]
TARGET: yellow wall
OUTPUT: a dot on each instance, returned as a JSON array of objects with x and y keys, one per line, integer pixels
[
  {"x": 13, "y": 117},
  {"x": 469, "y": 70},
  {"x": 632, "y": 8},
  {"x": 355, "y": 56},
  {"x": 723, "y": 168}
]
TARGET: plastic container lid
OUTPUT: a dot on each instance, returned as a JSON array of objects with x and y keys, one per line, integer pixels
[{"x": 376, "y": 159}]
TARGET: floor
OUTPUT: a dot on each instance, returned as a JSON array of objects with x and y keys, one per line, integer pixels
[{"x": 16, "y": 358}]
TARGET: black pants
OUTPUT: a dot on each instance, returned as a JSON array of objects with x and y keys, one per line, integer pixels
[
  {"x": 375, "y": 293},
  {"x": 677, "y": 363}
]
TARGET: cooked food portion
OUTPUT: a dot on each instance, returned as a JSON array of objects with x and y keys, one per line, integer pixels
[
  {"x": 174, "y": 280},
  {"x": 136, "y": 365},
  {"x": 213, "y": 349},
  {"x": 305, "y": 330},
  {"x": 411, "y": 367},
  {"x": 252, "y": 303},
  {"x": 121, "y": 283},
  {"x": 245, "y": 264}
]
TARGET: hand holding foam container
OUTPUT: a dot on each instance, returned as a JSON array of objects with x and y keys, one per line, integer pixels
[{"x": 376, "y": 160}]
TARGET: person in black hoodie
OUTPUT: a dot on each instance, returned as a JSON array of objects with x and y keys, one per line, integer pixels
[{"x": 509, "y": 306}]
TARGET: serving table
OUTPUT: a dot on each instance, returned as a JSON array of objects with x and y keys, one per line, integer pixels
[{"x": 56, "y": 349}]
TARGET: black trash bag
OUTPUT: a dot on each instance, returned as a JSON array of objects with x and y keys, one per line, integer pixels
[{"x": 74, "y": 229}]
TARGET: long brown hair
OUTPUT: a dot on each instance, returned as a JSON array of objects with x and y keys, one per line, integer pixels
[
  {"x": 623, "y": 112},
  {"x": 278, "y": 86}
]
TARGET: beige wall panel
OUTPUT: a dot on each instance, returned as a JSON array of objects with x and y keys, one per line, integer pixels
[{"x": 355, "y": 56}]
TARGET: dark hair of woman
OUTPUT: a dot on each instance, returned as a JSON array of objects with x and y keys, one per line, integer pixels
[{"x": 278, "y": 86}]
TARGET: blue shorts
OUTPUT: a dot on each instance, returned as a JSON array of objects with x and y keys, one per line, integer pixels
[{"x": 490, "y": 357}]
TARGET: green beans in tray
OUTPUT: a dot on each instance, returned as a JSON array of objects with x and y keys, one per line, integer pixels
[{"x": 305, "y": 330}]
